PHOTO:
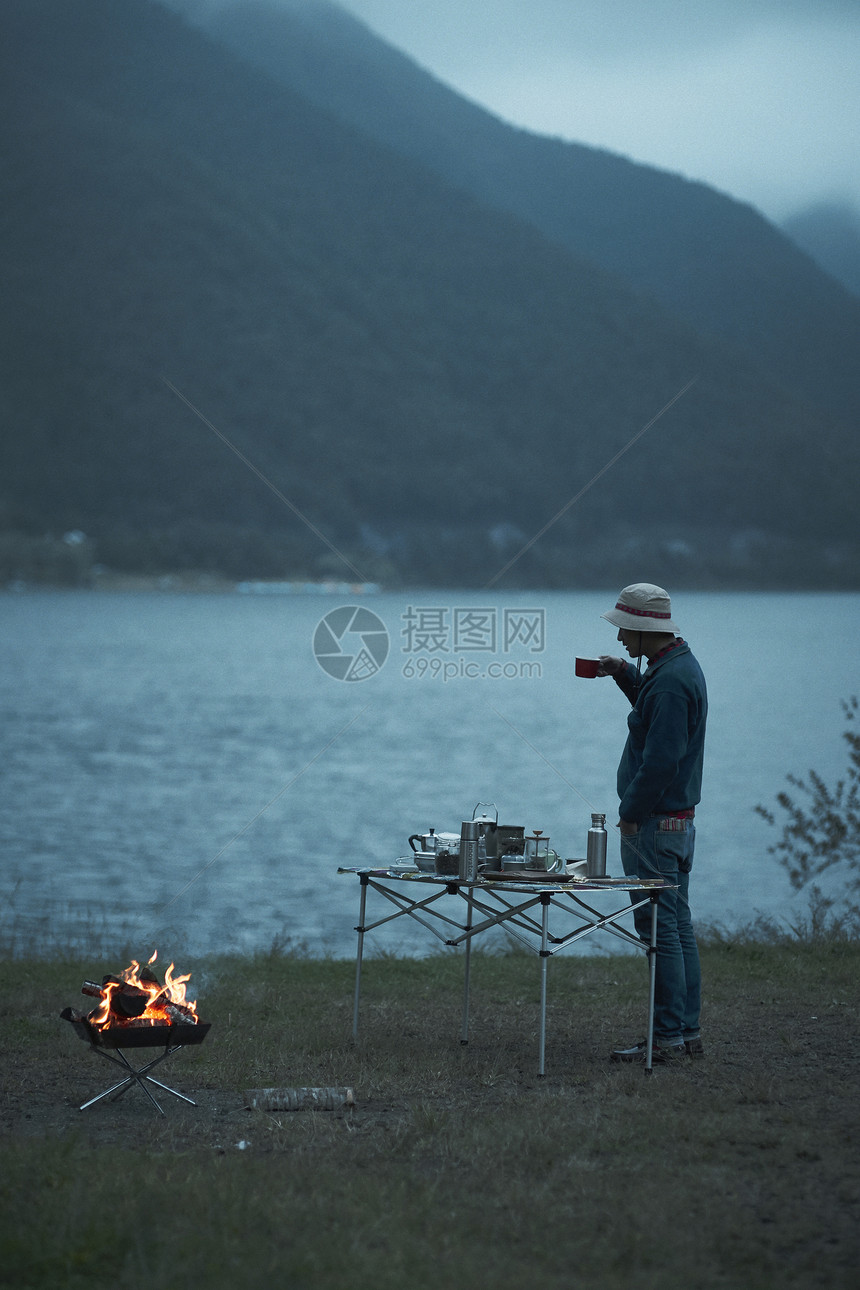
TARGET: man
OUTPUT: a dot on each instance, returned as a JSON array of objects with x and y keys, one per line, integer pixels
[{"x": 659, "y": 785}]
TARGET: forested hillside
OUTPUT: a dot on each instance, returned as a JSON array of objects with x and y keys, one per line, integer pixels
[
  {"x": 426, "y": 379},
  {"x": 830, "y": 233},
  {"x": 711, "y": 260}
]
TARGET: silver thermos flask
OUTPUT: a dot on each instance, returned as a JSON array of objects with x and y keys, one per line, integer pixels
[
  {"x": 595, "y": 854},
  {"x": 469, "y": 851}
]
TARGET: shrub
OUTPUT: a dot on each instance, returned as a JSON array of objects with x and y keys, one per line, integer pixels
[{"x": 823, "y": 828}]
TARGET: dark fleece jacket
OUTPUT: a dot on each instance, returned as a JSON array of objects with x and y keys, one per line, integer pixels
[{"x": 661, "y": 766}]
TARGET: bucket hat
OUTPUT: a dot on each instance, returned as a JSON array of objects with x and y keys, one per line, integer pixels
[{"x": 642, "y": 607}]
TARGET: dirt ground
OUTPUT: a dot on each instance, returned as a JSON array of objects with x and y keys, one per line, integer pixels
[
  {"x": 804, "y": 1063},
  {"x": 46, "y": 1099}
]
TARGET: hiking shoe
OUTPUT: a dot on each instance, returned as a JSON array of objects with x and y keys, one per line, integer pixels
[
  {"x": 694, "y": 1047},
  {"x": 661, "y": 1055}
]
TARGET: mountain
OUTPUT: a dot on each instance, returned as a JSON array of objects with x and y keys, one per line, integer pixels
[
  {"x": 712, "y": 261},
  {"x": 830, "y": 233},
  {"x": 379, "y": 374}
]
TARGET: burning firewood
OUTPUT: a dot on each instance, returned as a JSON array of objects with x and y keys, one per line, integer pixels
[
  {"x": 123, "y": 1000},
  {"x": 137, "y": 998}
]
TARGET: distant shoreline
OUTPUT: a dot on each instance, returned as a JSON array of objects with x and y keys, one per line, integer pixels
[
  {"x": 202, "y": 583},
  {"x": 188, "y": 583}
]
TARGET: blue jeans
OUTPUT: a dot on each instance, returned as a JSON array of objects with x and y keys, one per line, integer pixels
[{"x": 659, "y": 853}]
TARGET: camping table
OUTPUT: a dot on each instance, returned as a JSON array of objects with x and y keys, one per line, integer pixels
[{"x": 522, "y": 908}]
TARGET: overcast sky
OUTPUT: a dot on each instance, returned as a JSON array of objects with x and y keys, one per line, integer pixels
[{"x": 760, "y": 98}]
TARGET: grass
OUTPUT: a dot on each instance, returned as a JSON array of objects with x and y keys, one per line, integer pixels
[{"x": 459, "y": 1166}]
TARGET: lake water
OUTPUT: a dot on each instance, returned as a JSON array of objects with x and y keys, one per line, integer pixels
[{"x": 181, "y": 772}]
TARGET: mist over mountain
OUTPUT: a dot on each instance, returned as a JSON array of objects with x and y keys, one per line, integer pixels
[
  {"x": 830, "y": 233},
  {"x": 418, "y": 376},
  {"x": 713, "y": 261}
]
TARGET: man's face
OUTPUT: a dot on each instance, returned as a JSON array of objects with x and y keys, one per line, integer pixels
[{"x": 631, "y": 640}]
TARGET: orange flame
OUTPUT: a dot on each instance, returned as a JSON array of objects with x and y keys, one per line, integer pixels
[{"x": 161, "y": 997}]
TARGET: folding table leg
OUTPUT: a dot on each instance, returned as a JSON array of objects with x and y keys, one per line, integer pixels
[
  {"x": 652, "y": 977},
  {"x": 544, "y": 956},
  {"x": 362, "y": 909},
  {"x": 464, "y": 1033}
]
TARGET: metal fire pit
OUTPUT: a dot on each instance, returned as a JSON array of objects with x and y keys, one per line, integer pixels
[{"x": 116, "y": 1038}]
